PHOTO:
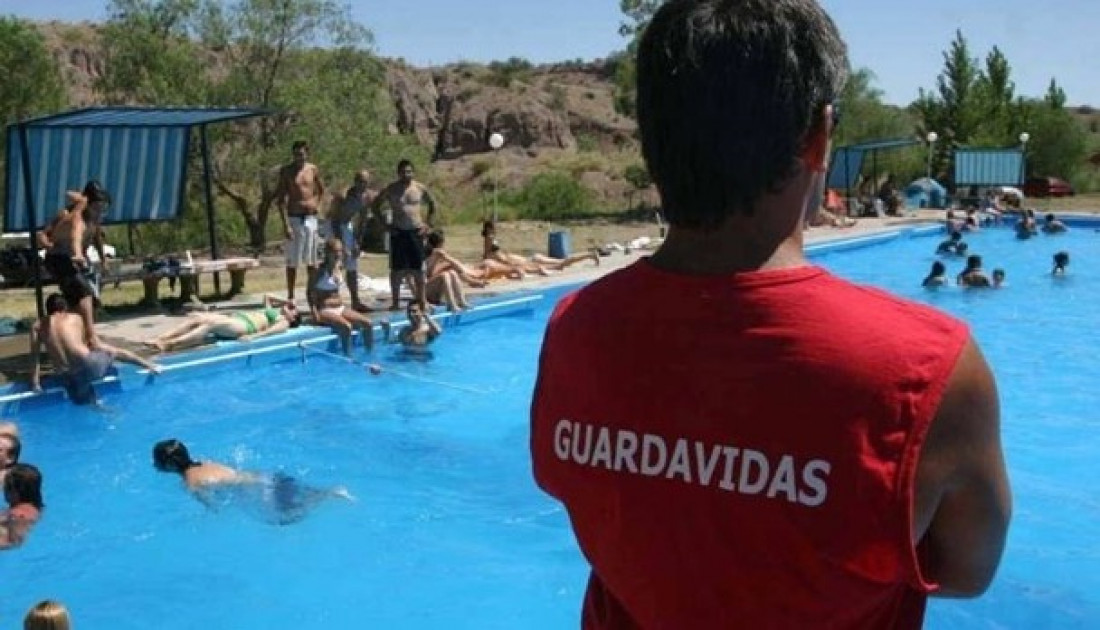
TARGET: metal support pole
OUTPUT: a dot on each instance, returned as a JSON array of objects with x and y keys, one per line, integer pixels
[
  {"x": 215, "y": 254},
  {"x": 32, "y": 227}
]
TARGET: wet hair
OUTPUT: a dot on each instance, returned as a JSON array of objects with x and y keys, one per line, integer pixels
[
  {"x": 403, "y": 164},
  {"x": 973, "y": 261},
  {"x": 998, "y": 272},
  {"x": 961, "y": 248},
  {"x": 47, "y": 615},
  {"x": 16, "y": 446},
  {"x": 172, "y": 456},
  {"x": 299, "y": 144},
  {"x": 56, "y": 303},
  {"x": 1061, "y": 259},
  {"x": 956, "y": 235},
  {"x": 728, "y": 93},
  {"x": 938, "y": 269},
  {"x": 1050, "y": 218},
  {"x": 23, "y": 484},
  {"x": 95, "y": 192}
]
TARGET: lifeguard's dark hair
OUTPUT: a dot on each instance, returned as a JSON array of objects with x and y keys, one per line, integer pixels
[{"x": 728, "y": 92}]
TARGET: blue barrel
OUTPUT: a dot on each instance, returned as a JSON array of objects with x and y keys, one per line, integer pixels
[{"x": 558, "y": 245}]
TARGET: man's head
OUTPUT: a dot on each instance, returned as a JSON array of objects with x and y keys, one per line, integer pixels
[
  {"x": 405, "y": 171},
  {"x": 23, "y": 484},
  {"x": 733, "y": 102},
  {"x": 1050, "y": 218},
  {"x": 413, "y": 312},
  {"x": 290, "y": 312},
  {"x": 1061, "y": 260},
  {"x": 938, "y": 268},
  {"x": 98, "y": 200},
  {"x": 956, "y": 236},
  {"x": 56, "y": 303},
  {"x": 436, "y": 239},
  {"x": 973, "y": 262},
  {"x": 10, "y": 448},
  {"x": 171, "y": 456},
  {"x": 998, "y": 276},
  {"x": 300, "y": 151},
  {"x": 362, "y": 179}
]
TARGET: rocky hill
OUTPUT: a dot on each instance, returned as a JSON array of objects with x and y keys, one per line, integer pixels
[{"x": 554, "y": 116}]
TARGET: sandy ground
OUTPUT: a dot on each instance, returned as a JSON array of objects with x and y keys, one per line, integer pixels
[{"x": 127, "y": 326}]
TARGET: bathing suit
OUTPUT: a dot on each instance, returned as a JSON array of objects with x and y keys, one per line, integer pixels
[
  {"x": 83, "y": 372},
  {"x": 326, "y": 282},
  {"x": 249, "y": 325},
  {"x": 406, "y": 250},
  {"x": 73, "y": 281},
  {"x": 272, "y": 315}
]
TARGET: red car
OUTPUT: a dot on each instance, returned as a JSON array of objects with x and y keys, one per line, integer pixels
[{"x": 1048, "y": 187}]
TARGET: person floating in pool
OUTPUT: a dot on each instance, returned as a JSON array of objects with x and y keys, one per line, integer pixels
[
  {"x": 276, "y": 316},
  {"x": 937, "y": 276},
  {"x": 23, "y": 494},
  {"x": 69, "y": 347},
  {"x": 289, "y": 499},
  {"x": 1051, "y": 225},
  {"x": 1061, "y": 261},
  {"x": 999, "y": 279},
  {"x": 973, "y": 277},
  {"x": 421, "y": 330},
  {"x": 951, "y": 245}
]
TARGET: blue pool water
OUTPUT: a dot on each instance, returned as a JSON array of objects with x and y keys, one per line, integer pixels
[{"x": 449, "y": 530}]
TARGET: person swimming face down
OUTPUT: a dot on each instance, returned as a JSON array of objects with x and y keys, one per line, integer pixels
[
  {"x": 172, "y": 456},
  {"x": 1061, "y": 261}
]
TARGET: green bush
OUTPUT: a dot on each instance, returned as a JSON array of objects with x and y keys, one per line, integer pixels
[{"x": 550, "y": 196}]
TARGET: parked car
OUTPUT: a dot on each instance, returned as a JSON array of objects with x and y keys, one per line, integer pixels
[{"x": 1048, "y": 187}]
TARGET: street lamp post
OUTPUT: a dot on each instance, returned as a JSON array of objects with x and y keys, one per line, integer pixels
[
  {"x": 1025, "y": 137},
  {"x": 496, "y": 141},
  {"x": 932, "y": 137}
]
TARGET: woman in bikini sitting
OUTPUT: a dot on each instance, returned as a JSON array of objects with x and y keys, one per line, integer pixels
[
  {"x": 538, "y": 263},
  {"x": 276, "y": 316},
  {"x": 329, "y": 307}
]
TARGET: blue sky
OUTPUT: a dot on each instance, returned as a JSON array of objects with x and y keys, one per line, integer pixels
[{"x": 901, "y": 42}]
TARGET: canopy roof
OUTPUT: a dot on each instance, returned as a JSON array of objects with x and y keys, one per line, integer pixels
[
  {"x": 138, "y": 154},
  {"x": 847, "y": 162},
  {"x": 989, "y": 167}
]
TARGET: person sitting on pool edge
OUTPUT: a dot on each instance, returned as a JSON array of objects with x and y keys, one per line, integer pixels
[
  {"x": 65, "y": 337},
  {"x": 973, "y": 277},
  {"x": 1051, "y": 225},
  {"x": 276, "y": 316},
  {"x": 23, "y": 493},
  {"x": 290, "y": 499},
  {"x": 937, "y": 276},
  {"x": 1061, "y": 261},
  {"x": 329, "y": 307}
]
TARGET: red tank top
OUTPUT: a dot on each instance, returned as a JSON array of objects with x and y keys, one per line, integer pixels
[{"x": 740, "y": 451}]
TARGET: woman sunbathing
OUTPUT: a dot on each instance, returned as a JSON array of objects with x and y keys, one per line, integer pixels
[
  {"x": 276, "y": 316},
  {"x": 538, "y": 263},
  {"x": 329, "y": 307},
  {"x": 476, "y": 275}
]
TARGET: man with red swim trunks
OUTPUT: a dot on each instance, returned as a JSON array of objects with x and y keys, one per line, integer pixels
[{"x": 740, "y": 438}]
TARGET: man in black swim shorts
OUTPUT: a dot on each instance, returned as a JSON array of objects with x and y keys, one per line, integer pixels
[
  {"x": 66, "y": 239},
  {"x": 408, "y": 229}
]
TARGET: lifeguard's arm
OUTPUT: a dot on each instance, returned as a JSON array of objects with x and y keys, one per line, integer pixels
[
  {"x": 963, "y": 498},
  {"x": 36, "y": 355}
]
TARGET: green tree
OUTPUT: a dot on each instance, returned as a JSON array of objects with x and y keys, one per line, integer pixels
[
  {"x": 1059, "y": 142},
  {"x": 637, "y": 175},
  {"x": 864, "y": 115},
  {"x": 638, "y": 13},
  {"x": 30, "y": 76}
]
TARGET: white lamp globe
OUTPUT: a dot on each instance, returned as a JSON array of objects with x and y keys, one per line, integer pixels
[
  {"x": 1024, "y": 137},
  {"x": 496, "y": 141},
  {"x": 932, "y": 136}
]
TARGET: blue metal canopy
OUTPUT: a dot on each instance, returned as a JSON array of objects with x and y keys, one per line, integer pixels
[
  {"x": 847, "y": 162},
  {"x": 138, "y": 154},
  {"x": 989, "y": 167}
]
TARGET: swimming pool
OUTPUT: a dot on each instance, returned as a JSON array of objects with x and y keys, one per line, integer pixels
[{"x": 450, "y": 531}]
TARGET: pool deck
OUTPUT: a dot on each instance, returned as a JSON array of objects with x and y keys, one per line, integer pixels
[{"x": 132, "y": 331}]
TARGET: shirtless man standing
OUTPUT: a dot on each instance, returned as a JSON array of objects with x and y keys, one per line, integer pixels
[
  {"x": 65, "y": 240},
  {"x": 348, "y": 218},
  {"x": 67, "y": 343},
  {"x": 407, "y": 231},
  {"x": 298, "y": 196}
]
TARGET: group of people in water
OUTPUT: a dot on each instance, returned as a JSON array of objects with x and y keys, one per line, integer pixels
[{"x": 973, "y": 274}]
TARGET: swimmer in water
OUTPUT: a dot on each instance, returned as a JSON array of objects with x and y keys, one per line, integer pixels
[
  {"x": 290, "y": 499},
  {"x": 421, "y": 331}
]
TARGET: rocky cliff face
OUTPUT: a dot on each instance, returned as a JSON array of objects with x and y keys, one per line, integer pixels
[{"x": 544, "y": 110}]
